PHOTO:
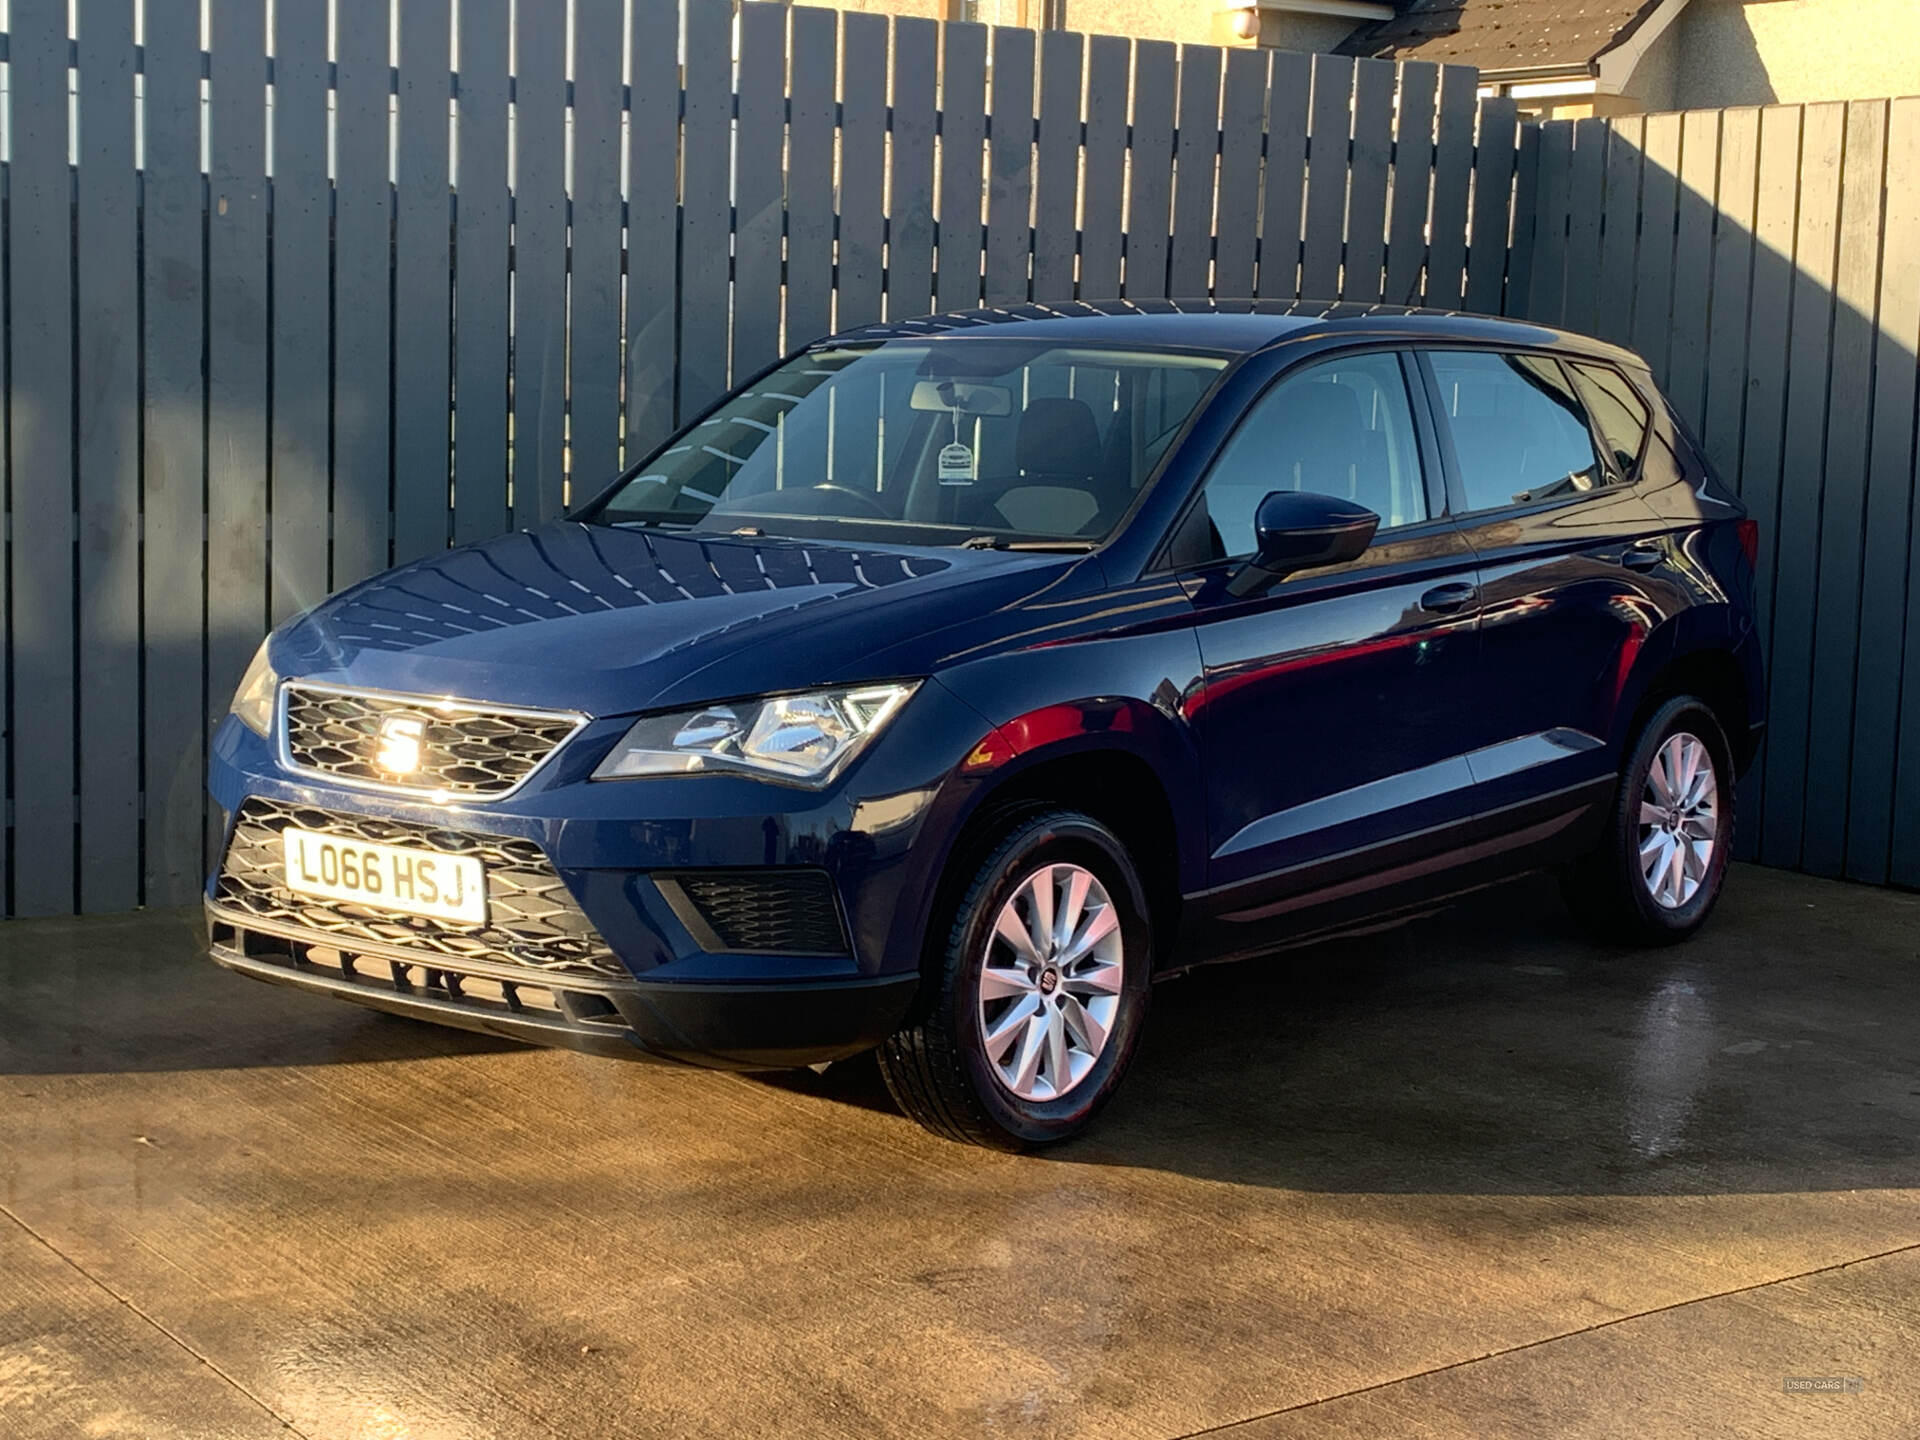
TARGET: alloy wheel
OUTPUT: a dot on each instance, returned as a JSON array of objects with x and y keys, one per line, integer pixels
[
  {"x": 1679, "y": 820},
  {"x": 1050, "y": 982}
]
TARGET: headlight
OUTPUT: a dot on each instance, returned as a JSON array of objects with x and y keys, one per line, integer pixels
[
  {"x": 253, "y": 701},
  {"x": 803, "y": 739}
]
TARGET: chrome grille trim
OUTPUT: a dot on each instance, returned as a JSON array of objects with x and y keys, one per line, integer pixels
[
  {"x": 533, "y": 923},
  {"x": 455, "y": 744}
]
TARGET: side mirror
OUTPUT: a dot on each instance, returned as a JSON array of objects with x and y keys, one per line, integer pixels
[{"x": 1299, "y": 530}]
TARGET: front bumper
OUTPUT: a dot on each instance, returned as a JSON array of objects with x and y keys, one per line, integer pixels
[
  {"x": 715, "y": 919},
  {"x": 730, "y": 1026}
]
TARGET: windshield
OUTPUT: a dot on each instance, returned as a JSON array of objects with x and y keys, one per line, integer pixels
[{"x": 941, "y": 443}]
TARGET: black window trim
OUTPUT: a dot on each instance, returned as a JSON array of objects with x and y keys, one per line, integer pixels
[
  {"x": 1456, "y": 484},
  {"x": 1426, "y": 443}
]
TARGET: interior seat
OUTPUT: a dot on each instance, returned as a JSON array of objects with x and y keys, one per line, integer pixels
[{"x": 1064, "y": 486}]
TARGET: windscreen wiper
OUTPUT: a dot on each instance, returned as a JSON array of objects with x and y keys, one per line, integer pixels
[{"x": 1000, "y": 542}]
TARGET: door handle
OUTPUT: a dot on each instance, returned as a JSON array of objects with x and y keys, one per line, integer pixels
[
  {"x": 1446, "y": 598},
  {"x": 1642, "y": 557}
]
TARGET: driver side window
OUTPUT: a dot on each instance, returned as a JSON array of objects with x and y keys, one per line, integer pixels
[{"x": 1341, "y": 428}]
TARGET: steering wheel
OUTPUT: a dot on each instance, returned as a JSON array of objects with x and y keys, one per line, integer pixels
[{"x": 865, "y": 502}]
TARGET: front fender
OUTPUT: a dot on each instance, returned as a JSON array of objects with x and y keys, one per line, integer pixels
[{"x": 1130, "y": 697}]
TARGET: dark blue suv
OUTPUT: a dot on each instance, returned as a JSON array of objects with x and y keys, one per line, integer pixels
[{"x": 950, "y": 682}]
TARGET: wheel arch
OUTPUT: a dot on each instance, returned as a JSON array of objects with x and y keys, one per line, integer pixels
[
  {"x": 1716, "y": 676},
  {"x": 1121, "y": 763}
]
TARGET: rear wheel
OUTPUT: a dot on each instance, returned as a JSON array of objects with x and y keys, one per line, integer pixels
[
  {"x": 1656, "y": 875},
  {"x": 1040, "y": 991}
]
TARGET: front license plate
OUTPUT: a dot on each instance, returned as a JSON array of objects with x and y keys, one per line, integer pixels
[{"x": 393, "y": 877}]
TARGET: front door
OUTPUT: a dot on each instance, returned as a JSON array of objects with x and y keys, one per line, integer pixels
[{"x": 1334, "y": 705}]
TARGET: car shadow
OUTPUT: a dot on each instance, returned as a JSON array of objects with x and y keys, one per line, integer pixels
[
  {"x": 1494, "y": 1048},
  {"x": 136, "y": 993}
]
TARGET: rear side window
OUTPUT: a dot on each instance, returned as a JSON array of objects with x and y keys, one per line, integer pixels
[
  {"x": 1618, "y": 412},
  {"x": 1518, "y": 429}
]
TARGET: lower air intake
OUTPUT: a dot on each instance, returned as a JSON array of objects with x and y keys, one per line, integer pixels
[{"x": 782, "y": 912}]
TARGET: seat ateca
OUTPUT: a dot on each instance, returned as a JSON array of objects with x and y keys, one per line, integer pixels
[{"x": 942, "y": 687}]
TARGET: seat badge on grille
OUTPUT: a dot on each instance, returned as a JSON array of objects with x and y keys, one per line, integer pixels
[{"x": 400, "y": 736}]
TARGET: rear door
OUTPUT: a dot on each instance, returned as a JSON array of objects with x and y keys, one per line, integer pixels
[
  {"x": 1334, "y": 705},
  {"x": 1566, "y": 554}
]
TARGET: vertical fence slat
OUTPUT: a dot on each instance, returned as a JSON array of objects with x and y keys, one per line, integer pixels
[
  {"x": 236, "y": 344},
  {"x": 593, "y": 329},
  {"x": 653, "y": 159},
  {"x": 1586, "y": 203},
  {"x": 1797, "y": 556},
  {"x": 1057, "y": 183},
  {"x": 1109, "y": 62},
  {"x": 1195, "y": 159},
  {"x": 1150, "y": 170},
  {"x": 1452, "y": 186},
  {"x": 1242, "y": 104},
  {"x": 363, "y": 293},
  {"x": 863, "y": 159},
  {"x": 1412, "y": 183},
  {"x": 1283, "y": 175},
  {"x": 481, "y": 298},
  {"x": 299, "y": 477},
  {"x": 422, "y": 286},
  {"x": 1366, "y": 258},
  {"x": 705, "y": 203},
  {"x": 1770, "y": 331},
  {"x": 539, "y": 350},
  {"x": 1328, "y": 133},
  {"x": 915, "y": 82},
  {"x": 810, "y": 177},
  {"x": 41, "y": 336},
  {"x": 173, "y": 339},
  {"x": 1732, "y": 292},
  {"x": 963, "y": 128},
  {"x": 1659, "y": 209},
  {"x": 1693, "y": 264},
  {"x": 1842, "y": 498},
  {"x": 1493, "y": 164},
  {"x": 1526, "y": 171},
  {"x": 759, "y": 213},
  {"x": 1010, "y": 166},
  {"x": 1620, "y": 231},
  {"x": 107, "y": 399},
  {"x": 1547, "y": 300},
  {"x": 1883, "y": 820}
]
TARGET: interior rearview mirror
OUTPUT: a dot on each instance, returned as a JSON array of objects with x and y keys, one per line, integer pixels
[
  {"x": 1300, "y": 530},
  {"x": 961, "y": 397}
]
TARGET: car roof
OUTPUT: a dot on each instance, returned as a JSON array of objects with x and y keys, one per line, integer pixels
[{"x": 1235, "y": 327}]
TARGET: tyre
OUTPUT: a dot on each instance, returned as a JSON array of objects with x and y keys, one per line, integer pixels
[
  {"x": 1655, "y": 876},
  {"x": 1038, "y": 988}
]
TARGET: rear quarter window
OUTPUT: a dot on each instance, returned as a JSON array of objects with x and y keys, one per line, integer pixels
[{"x": 1619, "y": 413}]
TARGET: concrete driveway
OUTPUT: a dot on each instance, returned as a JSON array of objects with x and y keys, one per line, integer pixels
[{"x": 1477, "y": 1177}]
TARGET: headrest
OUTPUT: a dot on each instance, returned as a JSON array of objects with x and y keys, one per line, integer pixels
[
  {"x": 1058, "y": 437},
  {"x": 1319, "y": 411},
  {"x": 1321, "y": 435}
]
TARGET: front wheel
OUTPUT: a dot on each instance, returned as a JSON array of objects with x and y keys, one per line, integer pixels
[
  {"x": 1040, "y": 989},
  {"x": 1655, "y": 876}
]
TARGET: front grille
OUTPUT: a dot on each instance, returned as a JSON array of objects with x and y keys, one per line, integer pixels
[
  {"x": 532, "y": 919},
  {"x": 789, "y": 912},
  {"x": 455, "y": 749}
]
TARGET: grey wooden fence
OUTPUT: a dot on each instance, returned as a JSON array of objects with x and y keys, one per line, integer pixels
[
  {"x": 279, "y": 317},
  {"x": 1767, "y": 264}
]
